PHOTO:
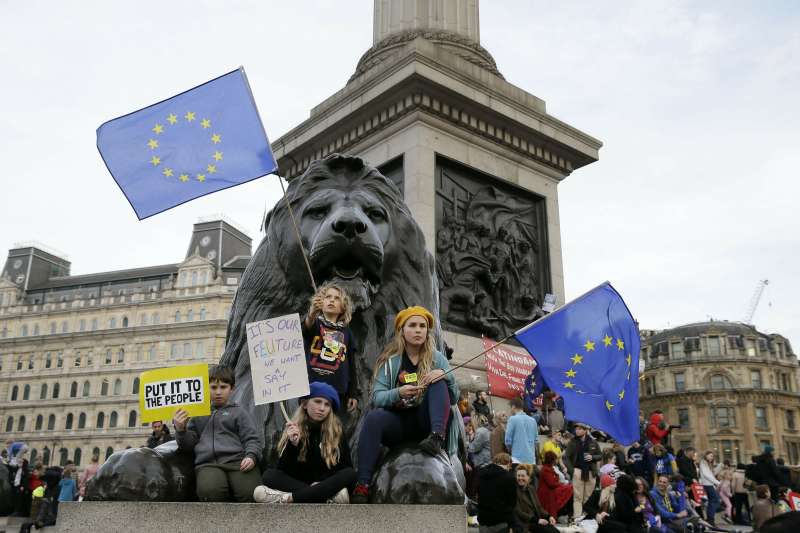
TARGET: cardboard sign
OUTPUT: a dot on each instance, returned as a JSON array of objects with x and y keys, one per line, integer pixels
[
  {"x": 794, "y": 500},
  {"x": 164, "y": 391},
  {"x": 698, "y": 492},
  {"x": 506, "y": 369},
  {"x": 277, "y": 359}
]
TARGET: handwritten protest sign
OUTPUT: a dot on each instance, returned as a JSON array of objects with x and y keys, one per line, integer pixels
[
  {"x": 277, "y": 359},
  {"x": 506, "y": 369},
  {"x": 164, "y": 391}
]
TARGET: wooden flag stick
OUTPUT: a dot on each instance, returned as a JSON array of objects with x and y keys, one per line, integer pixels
[{"x": 283, "y": 410}]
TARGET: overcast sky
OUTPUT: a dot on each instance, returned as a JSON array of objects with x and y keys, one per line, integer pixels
[{"x": 693, "y": 200}]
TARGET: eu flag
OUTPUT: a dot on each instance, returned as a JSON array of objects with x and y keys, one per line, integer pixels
[
  {"x": 198, "y": 142},
  {"x": 588, "y": 352}
]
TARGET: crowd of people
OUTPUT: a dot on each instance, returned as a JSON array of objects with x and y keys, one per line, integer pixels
[
  {"x": 532, "y": 471},
  {"x": 528, "y": 471}
]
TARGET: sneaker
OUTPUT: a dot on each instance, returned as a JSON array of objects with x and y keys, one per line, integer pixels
[
  {"x": 360, "y": 494},
  {"x": 264, "y": 494},
  {"x": 340, "y": 497},
  {"x": 432, "y": 444}
]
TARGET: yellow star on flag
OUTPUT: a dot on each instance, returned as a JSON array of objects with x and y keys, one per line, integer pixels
[
  {"x": 217, "y": 156},
  {"x": 184, "y": 177},
  {"x": 577, "y": 359},
  {"x": 158, "y": 128},
  {"x": 216, "y": 138},
  {"x": 609, "y": 405},
  {"x": 172, "y": 118},
  {"x": 189, "y": 116},
  {"x": 211, "y": 169},
  {"x": 201, "y": 177},
  {"x": 205, "y": 123},
  {"x": 167, "y": 172},
  {"x": 153, "y": 144},
  {"x": 607, "y": 341},
  {"x": 156, "y": 161},
  {"x": 569, "y": 385},
  {"x": 620, "y": 344},
  {"x": 621, "y": 395},
  {"x": 570, "y": 373},
  {"x": 589, "y": 346},
  {"x": 628, "y": 359}
]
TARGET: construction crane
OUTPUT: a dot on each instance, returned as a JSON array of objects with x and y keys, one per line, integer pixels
[{"x": 751, "y": 309}]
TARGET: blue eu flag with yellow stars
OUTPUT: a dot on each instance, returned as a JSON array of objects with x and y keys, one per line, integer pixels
[
  {"x": 201, "y": 141},
  {"x": 588, "y": 352}
]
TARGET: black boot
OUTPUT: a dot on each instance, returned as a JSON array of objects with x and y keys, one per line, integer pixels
[{"x": 432, "y": 444}]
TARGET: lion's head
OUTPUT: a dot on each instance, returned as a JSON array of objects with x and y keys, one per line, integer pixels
[{"x": 358, "y": 232}]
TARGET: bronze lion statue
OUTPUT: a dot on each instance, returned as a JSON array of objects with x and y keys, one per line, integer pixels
[{"x": 358, "y": 232}]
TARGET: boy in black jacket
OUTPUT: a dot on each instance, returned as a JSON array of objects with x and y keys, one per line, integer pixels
[{"x": 226, "y": 444}]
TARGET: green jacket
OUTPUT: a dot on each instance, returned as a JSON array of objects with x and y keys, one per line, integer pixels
[{"x": 385, "y": 393}]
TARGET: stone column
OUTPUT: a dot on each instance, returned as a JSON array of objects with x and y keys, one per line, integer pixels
[{"x": 394, "y": 16}]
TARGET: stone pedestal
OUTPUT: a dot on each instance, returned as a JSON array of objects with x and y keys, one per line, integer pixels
[{"x": 428, "y": 97}]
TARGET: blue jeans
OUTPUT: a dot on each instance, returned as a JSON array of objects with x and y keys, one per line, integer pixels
[
  {"x": 393, "y": 426},
  {"x": 713, "y": 502}
]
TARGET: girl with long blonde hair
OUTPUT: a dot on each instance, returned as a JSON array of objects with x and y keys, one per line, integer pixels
[
  {"x": 412, "y": 392},
  {"x": 314, "y": 463}
]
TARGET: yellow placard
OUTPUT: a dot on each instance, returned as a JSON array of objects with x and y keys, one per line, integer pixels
[
  {"x": 411, "y": 378},
  {"x": 165, "y": 390}
]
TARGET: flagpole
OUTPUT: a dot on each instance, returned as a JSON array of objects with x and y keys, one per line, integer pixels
[{"x": 542, "y": 319}]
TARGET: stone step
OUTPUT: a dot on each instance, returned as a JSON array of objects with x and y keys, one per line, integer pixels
[{"x": 135, "y": 517}]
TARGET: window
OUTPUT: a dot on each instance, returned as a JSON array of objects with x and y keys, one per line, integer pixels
[
  {"x": 24, "y": 330},
  {"x": 69, "y": 421},
  {"x": 96, "y": 452},
  {"x": 51, "y": 422},
  {"x": 82, "y": 421},
  {"x": 56, "y": 390},
  {"x": 30, "y": 363},
  {"x": 14, "y": 393},
  {"x": 19, "y": 363},
  {"x": 117, "y": 387},
  {"x": 691, "y": 344},
  {"x": 35, "y": 332},
  {"x": 109, "y": 451},
  {"x": 82, "y": 325},
  {"x": 73, "y": 390},
  {"x": 39, "y": 422},
  {"x": 101, "y": 420},
  {"x": 200, "y": 350},
  {"x": 89, "y": 360},
  {"x": 43, "y": 392},
  {"x": 64, "y": 457},
  {"x": 109, "y": 358},
  {"x": 64, "y": 327},
  {"x": 680, "y": 381},
  {"x": 714, "y": 346},
  {"x": 26, "y": 392},
  {"x": 187, "y": 349},
  {"x": 9, "y": 424},
  {"x": 764, "y": 444},
  {"x": 34, "y": 456},
  {"x": 52, "y": 328},
  {"x": 202, "y": 313},
  {"x": 112, "y": 420},
  {"x": 21, "y": 423},
  {"x": 190, "y": 315},
  {"x": 173, "y": 351},
  {"x": 761, "y": 418},
  {"x": 86, "y": 389},
  {"x": 135, "y": 386},
  {"x": 729, "y": 451},
  {"x": 59, "y": 360},
  {"x": 790, "y": 419},
  {"x": 683, "y": 417},
  {"x": 650, "y": 386},
  {"x": 204, "y": 278},
  {"x": 785, "y": 382},
  {"x": 112, "y": 323},
  {"x": 121, "y": 355},
  {"x": 143, "y": 320},
  {"x": 720, "y": 382},
  {"x": 94, "y": 324},
  {"x": 194, "y": 278},
  {"x": 755, "y": 379},
  {"x": 151, "y": 353},
  {"x": 76, "y": 457},
  {"x": 48, "y": 360},
  {"x": 723, "y": 417},
  {"x": 177, "y": 316},
  {"x": 154, "y": 319},
  {"x": 124, "y": 322},
  {"x": 77, "y": 358},
  {"x": 46, "y": 456},
  {"x": 762, "y": 347},
  {"x": 677, "y": 350},
  {"x": 139, "y": 356},
  {"x": 104, "y": 388},
  {"x": 132, "y": 419},
  {"x": 750, "y": 346}
]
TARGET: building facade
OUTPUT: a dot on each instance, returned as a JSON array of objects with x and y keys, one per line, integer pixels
[
  {"x": 72, "y": 347},
  {"x": 731, "y": 388}
]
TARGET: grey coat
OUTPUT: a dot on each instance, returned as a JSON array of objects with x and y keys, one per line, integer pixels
[{"x": 228, "y": 435}]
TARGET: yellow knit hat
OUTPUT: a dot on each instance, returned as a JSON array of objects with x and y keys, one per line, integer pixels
[{"x": 408, "y": 312}]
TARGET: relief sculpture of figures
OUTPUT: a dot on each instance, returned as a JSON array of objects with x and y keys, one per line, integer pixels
[{"x": 489, "y": 254}]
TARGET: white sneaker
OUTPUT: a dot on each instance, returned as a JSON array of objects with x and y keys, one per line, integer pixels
[
  {"x": 264, "y": 494},
  {"x": 340, "y": 497}
]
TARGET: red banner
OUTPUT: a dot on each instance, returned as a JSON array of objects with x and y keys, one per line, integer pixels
[
  {"x": 506, "y": 369},
  {"x": 794, "y": 500}
]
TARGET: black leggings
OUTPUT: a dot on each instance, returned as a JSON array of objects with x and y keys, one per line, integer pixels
[{"x": 305, "y": 493}]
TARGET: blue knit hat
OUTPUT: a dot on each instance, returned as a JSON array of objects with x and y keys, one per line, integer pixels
[{"x": 323, "y": 390}]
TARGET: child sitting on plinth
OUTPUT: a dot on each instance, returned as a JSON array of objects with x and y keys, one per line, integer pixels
[{"x": 226, "y": 444}]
